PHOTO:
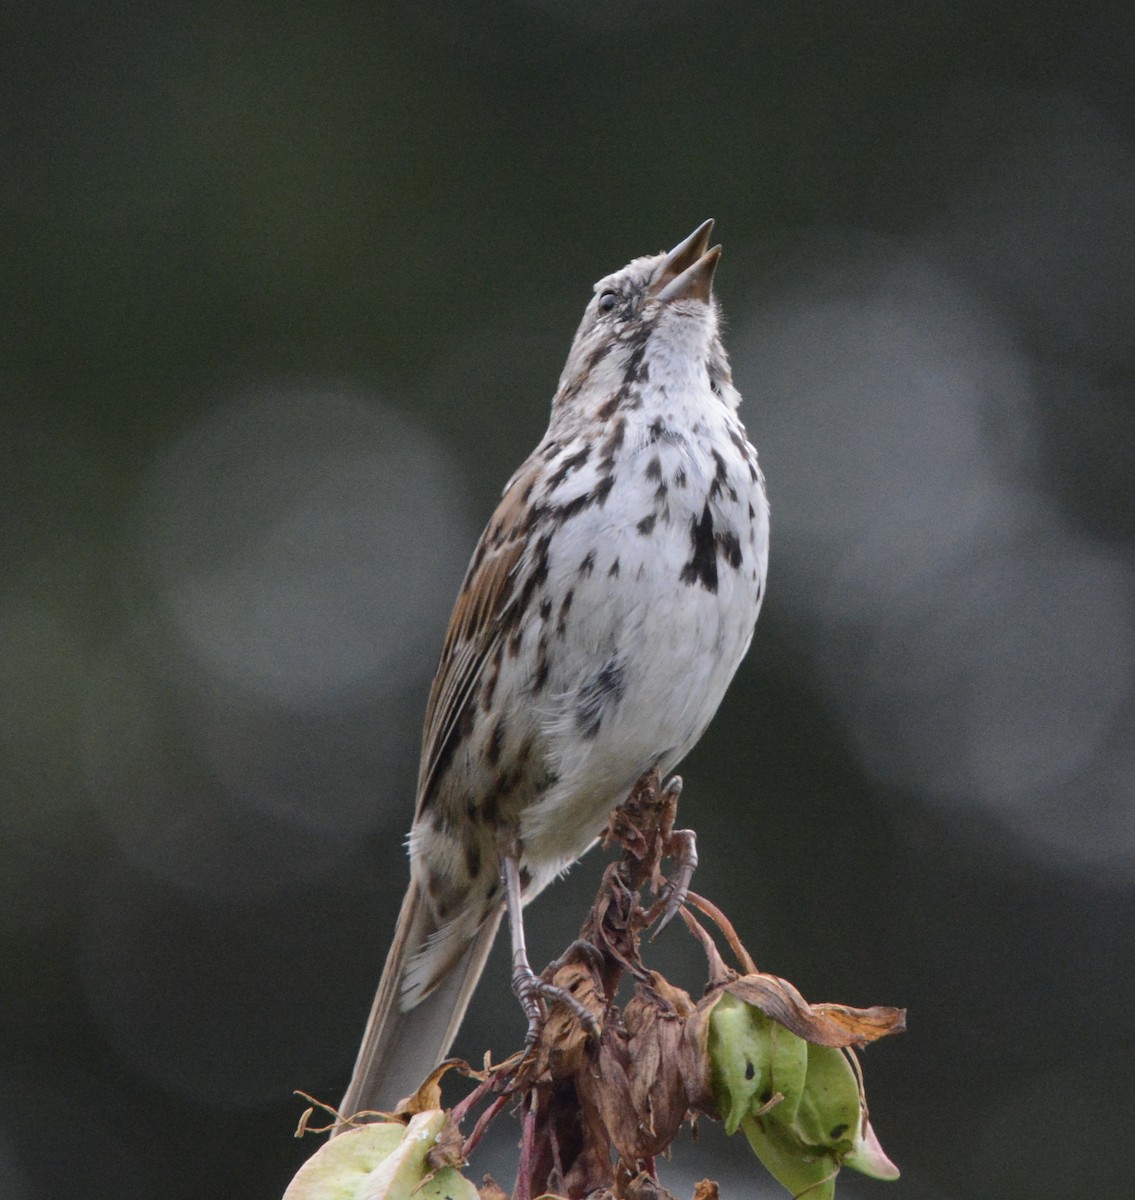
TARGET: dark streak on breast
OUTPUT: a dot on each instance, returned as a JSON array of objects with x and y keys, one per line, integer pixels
[
  {"x": 720, "y": 475},
  {"x": 565, "y": 608},
  {"x": 721, "y": 479},
  {"x": 536, "y": 577},
  {"x": 597, "y": 495},
  {"x": 598, "y": 696},
  {"x": 737, "y": 437},
  {"x": 702, "y": 567},
  {"x": 635, "y": 373},
  {"x": 611, "y": 446},
  {"x": 730, "y": 546},
  {"x": 572, "y": 463}
]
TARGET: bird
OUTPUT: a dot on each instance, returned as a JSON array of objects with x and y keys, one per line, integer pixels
[{"x": 606, "y": 607}]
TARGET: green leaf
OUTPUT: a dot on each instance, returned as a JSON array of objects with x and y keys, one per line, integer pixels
[
  {"x": 385, "y": 1160},
  {"x": 819, "y": 1121},
  {"x": 739, "y": 1048},
  {"x": 788, "y": 1069},
  {"x": 787, "y": 1161},
  {"x": 829, "y": 1112},
  {"x": 337, "y": 1169}
]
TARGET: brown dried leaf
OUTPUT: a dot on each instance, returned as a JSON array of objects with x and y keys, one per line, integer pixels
[
  {"x": 605, "y": 1096},
  {"x": 428, "y": 1096},
  {"x": 677, "y": 998},
  {"x": 705, "y": 1189},
  {"x": 867, "y": 1024},
  {"x": 822, "y": 1024},
  {"x": 693, "y": 1059},
  {"x": 658, "y": 1097},
  {"x": 565, "y": 1046},
  {"x": 644, "y": 1187},
  {"x": 448, "y": 1149},
  {"x": 491, "y": 1190},
  {"x": 637, "y": 1091}
]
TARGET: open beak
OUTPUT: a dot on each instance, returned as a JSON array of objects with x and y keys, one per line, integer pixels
[{"x": 687, "y": 271}]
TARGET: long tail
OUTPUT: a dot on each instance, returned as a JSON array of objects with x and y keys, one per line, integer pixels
[{"x": 399, "y": 1049}]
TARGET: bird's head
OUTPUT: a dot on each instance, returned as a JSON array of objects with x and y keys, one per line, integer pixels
[{"x": 657, "y": 312}]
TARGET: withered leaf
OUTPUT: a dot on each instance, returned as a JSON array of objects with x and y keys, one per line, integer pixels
[
  {"x": 428, "y": 1096},
  {"x": 643, "y": 1187},
  {"x": 658, "y": 1095},
  {"x": 822, "y": 1024},
  {"x": 447, "y": 1150},
  {"x": 565, "y": 1044}
]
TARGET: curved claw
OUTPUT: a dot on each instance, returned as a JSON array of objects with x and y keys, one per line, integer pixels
[{"x": 684, "y": 848}]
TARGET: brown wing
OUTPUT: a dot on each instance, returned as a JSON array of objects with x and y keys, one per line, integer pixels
[{"x": 477, "y": 625}]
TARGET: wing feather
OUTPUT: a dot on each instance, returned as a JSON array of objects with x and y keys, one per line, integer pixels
[{"x": 477, "y": 625}]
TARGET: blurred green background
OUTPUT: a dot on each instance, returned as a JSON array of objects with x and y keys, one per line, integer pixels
[{"x": 286, "y": 291}]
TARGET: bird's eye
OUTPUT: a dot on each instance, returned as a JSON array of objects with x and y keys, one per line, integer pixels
[{"x": 608, "y": 301}]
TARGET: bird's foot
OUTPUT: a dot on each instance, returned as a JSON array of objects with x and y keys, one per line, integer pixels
[
  {"x": 682, "y": 847},
  {"x": 535, "y": 993}
]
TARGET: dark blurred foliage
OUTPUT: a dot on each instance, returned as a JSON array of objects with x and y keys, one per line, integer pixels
[{"x": 286, "y": 290}]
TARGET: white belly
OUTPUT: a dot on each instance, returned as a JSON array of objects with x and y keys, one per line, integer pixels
[{"x": 648, "y": 652}]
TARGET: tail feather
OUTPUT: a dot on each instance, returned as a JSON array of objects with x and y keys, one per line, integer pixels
[{"x": 400, "y": 1048}]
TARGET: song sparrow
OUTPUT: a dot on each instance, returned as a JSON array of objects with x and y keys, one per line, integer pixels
[{"x": 607, "y": 605}]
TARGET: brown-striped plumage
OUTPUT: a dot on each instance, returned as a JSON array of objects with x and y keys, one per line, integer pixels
[{"x": 607, "y": 605}]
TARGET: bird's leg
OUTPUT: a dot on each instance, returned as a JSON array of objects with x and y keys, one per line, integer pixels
[
  {"x": 680, "y": 845},
  {"x": 524, "y": 981},
  {"x": 530, "y": 989}
]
